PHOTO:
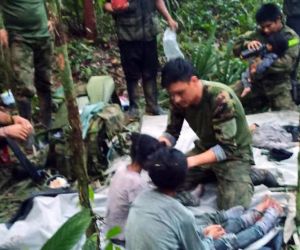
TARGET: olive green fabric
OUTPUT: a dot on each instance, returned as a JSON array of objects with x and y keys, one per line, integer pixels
[
  {"x": 219, "y": 118},
  {"x": 137, "y": 23},
  {"x": 27, "y": 18},
  {"x": 274, "y": 85}
]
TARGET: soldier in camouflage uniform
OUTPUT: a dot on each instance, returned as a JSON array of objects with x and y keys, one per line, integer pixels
[
  {"x": 272, "y": 88},
  {"x": 214, "y": 112},
  {"x": 24, "y": 28},
  {"x": 137, "y": 26}
]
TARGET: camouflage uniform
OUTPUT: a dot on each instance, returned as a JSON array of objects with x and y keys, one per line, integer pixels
[
  {"x": 218, "y": 119},
  {"x": 31, "y": 53},
  {"x": 272, "y": 88}
]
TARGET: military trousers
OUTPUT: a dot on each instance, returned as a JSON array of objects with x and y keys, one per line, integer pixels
[
  {"x": 234, "y": 185},
  {"x": 276, "y": 97},
  {"x": 140, "y": 61},
  {"x": 31, "y": 62}
]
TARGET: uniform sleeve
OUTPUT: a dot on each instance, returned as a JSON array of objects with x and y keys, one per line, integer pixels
[
  {"x": 191, "y": 238},
  {"x": 224, "y": 122},
  {"x": 175, "y": 121},
  {"x": 241, "y": 42},
  {"x": 286, "y": 63}
]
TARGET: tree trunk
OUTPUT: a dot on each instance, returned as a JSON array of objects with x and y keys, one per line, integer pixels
[
  {"x": 75, "y": 138},
  {"x": 90, "y": 20}
]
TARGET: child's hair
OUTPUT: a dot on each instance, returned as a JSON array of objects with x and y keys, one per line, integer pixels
[
  {"x": 268, "y": 12},
  {"x": 142, "y": 146},
  {"x": 279, "y": 43},
  {"x": 167, "y": 168}
]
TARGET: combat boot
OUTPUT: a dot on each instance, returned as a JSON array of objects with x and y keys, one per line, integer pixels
[{"x": 263, "y": 176}]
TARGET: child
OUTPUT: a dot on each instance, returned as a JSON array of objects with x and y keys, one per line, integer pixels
[
  {"x": 275, "y": 48},
  {"x": 127, "y": 183},
  {"x": 158, "y": 221}
]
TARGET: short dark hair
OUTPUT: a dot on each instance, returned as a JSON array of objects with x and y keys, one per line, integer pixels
[
  {"x": 177, "y": 70},
  {"x": 167, "y": 168},
  {"x": 142, "y": 146},
  {"x": 279, "y": 43},
  {"x": 268, "y": 12}
]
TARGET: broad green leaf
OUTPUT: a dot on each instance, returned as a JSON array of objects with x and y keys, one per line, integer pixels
[
  {"x": 70, "y": 232},
  {"x": 109, "y": 246},
  {"x": 91, "y": 243},
  {"x": 113, "y": 232}
]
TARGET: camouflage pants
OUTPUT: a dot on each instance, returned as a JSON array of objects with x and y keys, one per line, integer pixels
[
  {"x": 234, "y": 186},
  {"x": 276, "y": 97},
  {"x": 31, "y": 62}
]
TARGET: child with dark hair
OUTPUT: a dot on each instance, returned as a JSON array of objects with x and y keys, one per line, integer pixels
[
  {"x": 158, "y": 221},
  {"x": 127, "y": 183},
  {"x": 276, "y": 46}
]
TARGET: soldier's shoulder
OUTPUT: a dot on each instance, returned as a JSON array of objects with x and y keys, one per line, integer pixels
[
  {"x": 289, "y": 33},
  {"x": 219, "y": 93}
]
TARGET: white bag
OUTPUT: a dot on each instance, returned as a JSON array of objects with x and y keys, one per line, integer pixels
[{"x": 171, "y": 48}]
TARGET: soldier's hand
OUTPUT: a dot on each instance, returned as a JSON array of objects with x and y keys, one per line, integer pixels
[
  {"x": 254, "y": 45},
  {"x": 246, "y": 91},
  {"x": 4, "y": 38},
  {"x": 16, "y": 131},
  {"x": 165, "y": 141},
  {"x": 50, "y": 26},
  {"x": 22, "y": 121},
  {"x": 173, "y": 24},
  {"x": 215, "y": 231}
]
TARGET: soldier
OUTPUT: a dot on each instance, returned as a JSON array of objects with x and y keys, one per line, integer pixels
[
  {"x": 24, "y": 28},
  {"x": 272, "y": 88},
  {"x": 216, "y": 115},
  {"x": 137, "y": 26}
]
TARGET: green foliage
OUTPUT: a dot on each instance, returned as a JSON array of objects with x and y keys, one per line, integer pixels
[
  {"x": 70, "y": 232},
  {"x": 90, "y": 243},
  {"x": 111, "y": 234}
]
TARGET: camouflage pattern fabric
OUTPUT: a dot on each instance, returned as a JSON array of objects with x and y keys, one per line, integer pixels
[
  {"x": 275, "y": 83},
  {"x": 219, "y": 119},
  {"x": 137, "y": 23},
  {"x": 31, "y": 62},
  {"x": 234, "y": 186}
]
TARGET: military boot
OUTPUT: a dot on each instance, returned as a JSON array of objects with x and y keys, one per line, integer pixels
[
  {"x": 45, "y": 102},
  {"x": 263, "y": 176}
]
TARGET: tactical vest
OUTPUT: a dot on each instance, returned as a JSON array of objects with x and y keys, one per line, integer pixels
[{"x": 139, "y": 22}]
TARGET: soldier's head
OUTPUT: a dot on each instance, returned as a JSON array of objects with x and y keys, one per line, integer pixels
[
  {"x": 142, "y": 146},
  {"x": 180, "y": 79},
  {"x": 269, "y": 18},
  {"x": 167, "y": 168}
]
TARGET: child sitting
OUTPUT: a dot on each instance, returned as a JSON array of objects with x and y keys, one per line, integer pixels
[
  {"x": 127, "y": 183},
  {"x": 275, "y": 48}
]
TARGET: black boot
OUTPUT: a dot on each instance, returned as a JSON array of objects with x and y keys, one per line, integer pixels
[
  {"x": 45, "y": 102},
  {"x": 263, "y": 176}
]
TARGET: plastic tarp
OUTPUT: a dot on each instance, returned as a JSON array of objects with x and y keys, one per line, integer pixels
[{"x": 49, "y": 213}]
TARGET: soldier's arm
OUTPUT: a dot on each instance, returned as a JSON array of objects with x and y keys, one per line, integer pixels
[
  {"x": 242, "y": 41},
  {"x": 3, "y": 32},
  {"x": 161, "y": 7},
  {"x": 175, "y": 122},
  {"x": 225, "y": 128}
]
